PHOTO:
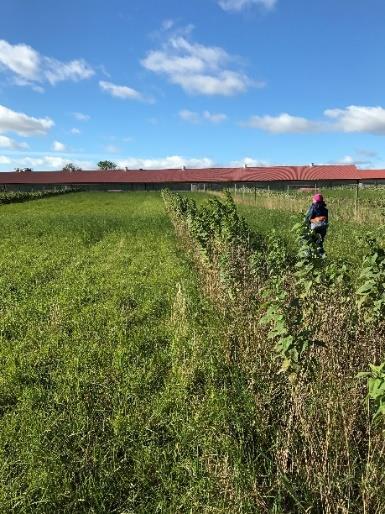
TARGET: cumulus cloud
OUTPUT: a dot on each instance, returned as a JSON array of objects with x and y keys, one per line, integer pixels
[
  {"x": 189, "y": 116},
  {"x": 4, "y": 160},
  {"x": 354, "y": 118},
  {"x": 196, "y": 117},
  {"x": 75, "y": 131},
  {"x": 214, "y": 118},
  {"x": 58, "y": 147},
  {"x": 80, "y": 116},
  {"x": 239, "y": 5},
  {"x": 12, "y": 121},
  {"x": 11, "y": 144},
  {"x": 284, "y": 123},
  {"x": 124, "y": 92},
  {"x": 359, "y": 159},
  {"x": 358, "y": 119},
  {"x": 174, "y": 161},
  {"x": 198, "y": 69},
  {"x": 49, "y": 162},
  {"x": 28, "y": 67},
  {"x": 251, "y": 162}
]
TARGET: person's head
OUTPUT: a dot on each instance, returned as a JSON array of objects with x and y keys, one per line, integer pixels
[{"x": 318, "y": 198}]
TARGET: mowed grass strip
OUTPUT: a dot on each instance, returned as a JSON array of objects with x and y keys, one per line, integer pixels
[{"x": 116, "y": 394}]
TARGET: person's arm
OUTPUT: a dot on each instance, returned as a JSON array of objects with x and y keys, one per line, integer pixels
[{"x": 309, "y": 215}]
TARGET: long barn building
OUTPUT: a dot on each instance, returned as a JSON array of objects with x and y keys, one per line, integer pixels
[{"x": 186, "y": 179}]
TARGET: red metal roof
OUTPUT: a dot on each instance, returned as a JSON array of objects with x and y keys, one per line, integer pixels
[
  {"x": 372, "y": 174},
  {"x": 220, "y": 175}
]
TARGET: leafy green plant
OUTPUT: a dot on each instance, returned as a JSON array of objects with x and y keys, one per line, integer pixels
[
  {"x": 376, "y": 387},
  {"x": 292, "y": 339},
  {"x": 370, "y": 293}
]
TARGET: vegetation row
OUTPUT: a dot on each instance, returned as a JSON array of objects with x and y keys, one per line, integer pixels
[
  {"x": 307, "y": 336},
  {"x": 24, "y": 196}
]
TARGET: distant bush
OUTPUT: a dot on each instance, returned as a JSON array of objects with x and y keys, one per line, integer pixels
[
  {"x": 71, "y": 167},
  {"x": 107, "y": 165},
  {"x": 25, "y": 196}
]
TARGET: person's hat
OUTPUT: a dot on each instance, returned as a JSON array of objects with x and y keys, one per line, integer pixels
[{"x": 318, "y": 198}]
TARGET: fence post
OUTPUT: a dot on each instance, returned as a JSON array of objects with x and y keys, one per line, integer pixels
[{"x": 356, "y": 199}]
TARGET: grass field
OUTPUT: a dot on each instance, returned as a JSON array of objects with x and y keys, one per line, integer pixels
[
  {"x": 106, "y": 349},
  {"x": 135, "y": 377}
]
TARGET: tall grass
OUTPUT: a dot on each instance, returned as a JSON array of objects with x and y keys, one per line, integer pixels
[
  {"x": 363, "y": 205},
  {"x": 299, "y": 333}
]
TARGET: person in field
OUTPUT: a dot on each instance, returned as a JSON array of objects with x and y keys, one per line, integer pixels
[{"x": 318, "y": 217}]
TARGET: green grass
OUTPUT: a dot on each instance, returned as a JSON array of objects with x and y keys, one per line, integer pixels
[
  {"x": 344, "y": 241},
  {"x": 118, "y": 391},
  {"x": 107, "y": 350}
]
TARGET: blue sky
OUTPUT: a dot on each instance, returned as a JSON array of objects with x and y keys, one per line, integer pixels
[{"x": 149, "y": 83}]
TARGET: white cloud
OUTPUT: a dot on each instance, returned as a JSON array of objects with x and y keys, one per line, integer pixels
[
  {"x": 58, "y": 147},
  {"x": 284, "y": 123},
  {"x": 349, "y": 159},
  {"x": 4, "y": 160},
  {"x": 49, "y": 162},
  {"x": 195, "y": 117},
  {"x": 356, "y": 160},
  {"x": 11, "y": 121},
  {"x": 22, "y": 60},
  {"x": 354, "y": 118},
  {"x": 189, "y": 116},
  {"x": 124, "y": 92},
  {"x": 249, "y": 161},
  {"x": 11, "y": 144},
  {"x": 112, "y": 149},
  {"x": 75, "y": 131},
  {"x": 214, "y": 118},
  {"x": 57, "y": 71},
  {"x": 238, "y": 5},
  {"x": 80, "y": 116},
  {"x": 198, "y": 69},
  {"x": 358, "y": 119},
  {"x": 167, "y": 24},
  {"x": 28, "y": 67},
  {"x": 174, "y": 161},
  {"x": 226, "y": 83}
]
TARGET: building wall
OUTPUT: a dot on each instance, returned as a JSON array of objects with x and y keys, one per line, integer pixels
[{"x": 274, "y": 186}]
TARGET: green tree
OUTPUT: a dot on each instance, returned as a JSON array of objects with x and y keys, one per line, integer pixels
[
  {"x": 107, "y": 165},
  {"x": 71, "y": 167}
]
